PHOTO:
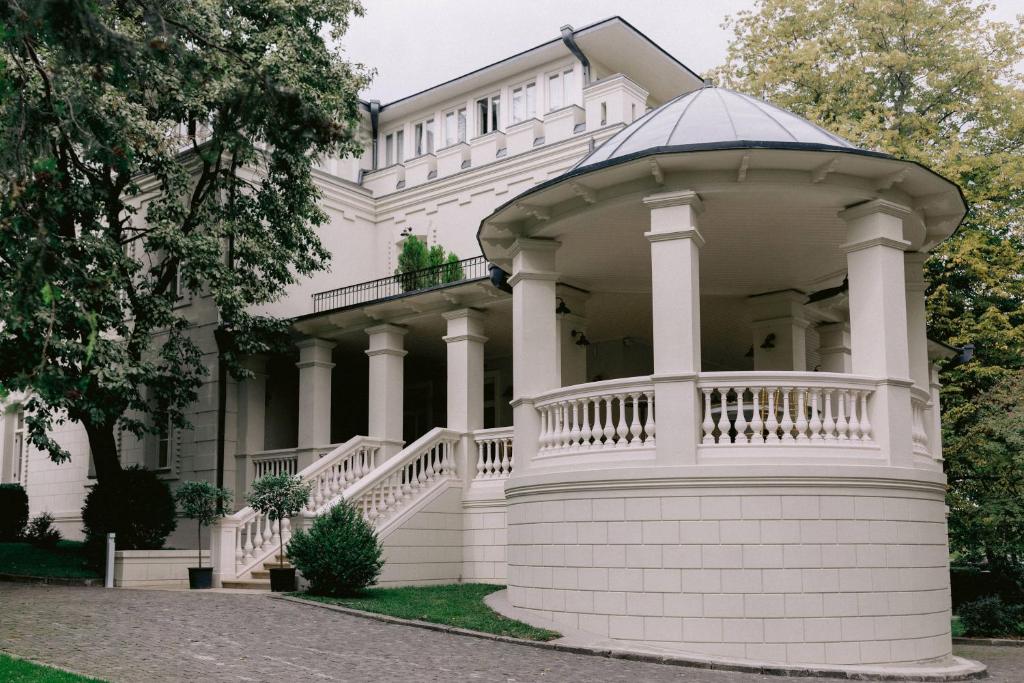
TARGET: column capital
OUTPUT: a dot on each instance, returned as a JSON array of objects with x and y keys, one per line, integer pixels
[
  {"x": 875, "y": 206},
  {"x": 687, "y": 234},
  {"x": 678, "y": 198},
  {"x": 387, "y": 328},
  {"x": 472, "y": 313},
  {"x": 314, "y": 342},
  {"x": 401, "y": 353},
  {"x": 532, "y": 244}
]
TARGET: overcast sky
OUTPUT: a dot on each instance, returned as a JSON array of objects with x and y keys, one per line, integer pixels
[{"x": 415, "y": 44}]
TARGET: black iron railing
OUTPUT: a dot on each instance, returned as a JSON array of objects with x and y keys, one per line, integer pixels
[{"x": 435, "y": 277}]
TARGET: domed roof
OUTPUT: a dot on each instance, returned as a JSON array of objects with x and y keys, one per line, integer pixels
[{"x": 715, "y": 118}]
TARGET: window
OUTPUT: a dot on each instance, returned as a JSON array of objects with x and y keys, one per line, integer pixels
[
  {"x": 524, "y": 102},
  {"x": 163, "y": 449},
  {"x": 455, "y": 126},
  {"x": 20, "y": 471},
  {"x": 560, "y": 91},
  {"x": 604, "y": 113},
  {"x": 393, "y": 148},
  {"x": 423, "y": 137},
  {"x": 487, "y": 111},
  {"x": 180, "y": 291}
]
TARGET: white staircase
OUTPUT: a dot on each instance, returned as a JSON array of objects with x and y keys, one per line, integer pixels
[{"x": 387, "y": 493}]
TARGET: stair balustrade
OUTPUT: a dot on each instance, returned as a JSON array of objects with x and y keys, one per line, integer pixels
[
  {"x": 613, "y": 414},
  {"x": 493, "y": 453}
]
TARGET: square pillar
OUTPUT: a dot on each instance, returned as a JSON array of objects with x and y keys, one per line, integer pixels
[
  {"x": 535, "y": 364},
  {"x": 387, "y": 384},
  {"x": 834, "y": 347},
  {"x": 779, "y": 328},
  {"x": 252, "y": 410},
  {"x": 917, "y": 330},
  {"x": 935, "y": 418},
  {"x": 878, "y": 319},
  {"x": 465, "y": 368},
  {"x": 315, "y": 367},
  {"x": 675, "y": 307}
]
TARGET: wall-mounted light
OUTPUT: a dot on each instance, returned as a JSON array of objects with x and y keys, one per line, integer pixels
[
  {"x": 750, "y": 352},
  {"x": 581, "y": 339},
  {"x": 561, "y": 308},
  {"x": 769, "y": 342}
]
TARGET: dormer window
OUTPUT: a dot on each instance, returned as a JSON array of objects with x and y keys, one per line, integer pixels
[
  {"x": 560, "y": 91},
  {"x": 394, "y": 148},
  {"x": 488, "y": 110},
  {"x": 423, "y": 137},
  {"x": 524, "y": 102}
]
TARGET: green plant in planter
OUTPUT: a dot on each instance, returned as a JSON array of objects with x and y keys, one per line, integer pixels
[
  {"x": 278, "y": 496},
  {"x": 203, "y": 502},
  {"x": 340, "y": 555}
]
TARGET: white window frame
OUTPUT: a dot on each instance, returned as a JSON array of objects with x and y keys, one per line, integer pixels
[
  {"x": 527, "y": 108},
  {"x": 424, "y": 136},
  {"x": 397, "y": 153},
  {"x": 555, "y": 81},
  {"x": 491, "y": 121},
  {"x": 20, "y": 449},
  {"x": 461, "y": 132},
  {"x": 165, "y": 449}
]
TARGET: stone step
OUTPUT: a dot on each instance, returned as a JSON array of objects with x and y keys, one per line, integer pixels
[{"x": 248, "y": 584}]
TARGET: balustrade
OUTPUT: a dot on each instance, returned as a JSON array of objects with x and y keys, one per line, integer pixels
[
  {"x": 614, "y": 414},
  {"x": 919, "y": 403},
  {"x": 493, "y": 453},
  {"x": 787, "y": 408}
]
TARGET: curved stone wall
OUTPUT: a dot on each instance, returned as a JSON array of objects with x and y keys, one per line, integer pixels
[{"x": 841, "y": 570}]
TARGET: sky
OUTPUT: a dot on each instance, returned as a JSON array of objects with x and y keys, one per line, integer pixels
[{"x": 415, "y": 44}]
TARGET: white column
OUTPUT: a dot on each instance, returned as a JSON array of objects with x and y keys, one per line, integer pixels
[
  {"x": 252, "y": 409},
  {"x": 675, "y": 301},
  {"x": 387, "y": 365},
  {"x": 917, "y": 332},
  {"x": 465, "y": 347},
  {"x": 834, "y": 347},
  {"x": 878, "y": 319},
  {"x": 935, "y": 425},
  {"x": 779, "y": 329},
  {"x": 534, "y": 339},
  {"x": 314, "y": 392}
]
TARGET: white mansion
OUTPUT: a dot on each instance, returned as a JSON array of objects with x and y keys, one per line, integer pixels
[{"x": 678, "y": 393}]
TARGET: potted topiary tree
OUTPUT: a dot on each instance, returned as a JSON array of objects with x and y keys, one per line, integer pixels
[
  {"x": 279, "y": 496},
  {"x": 205, "y": 503}
]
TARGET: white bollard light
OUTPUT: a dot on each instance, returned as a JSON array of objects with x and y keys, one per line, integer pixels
[{"x": 108, "y": 581}]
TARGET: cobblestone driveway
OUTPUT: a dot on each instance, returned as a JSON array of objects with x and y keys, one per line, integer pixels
[{"x": 128, "y": 635}]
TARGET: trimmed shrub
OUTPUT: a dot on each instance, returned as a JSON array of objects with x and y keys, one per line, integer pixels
[
  {"x": 990, "y": 616},
  {"x": 41, "y": 532},
  {"x": 13, "y": 512},
  {"x": 136, "y": 505},
  {"x": 340, "y": 555}
]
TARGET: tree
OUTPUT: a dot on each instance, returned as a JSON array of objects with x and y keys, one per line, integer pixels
[
  {"x": 151, "y": 149},
  {"x": 416, "y": 257},
  {"x": 279, "y": 496},
  {"x": 203, "y": 502},
  {"x": 931, "y": 81}
]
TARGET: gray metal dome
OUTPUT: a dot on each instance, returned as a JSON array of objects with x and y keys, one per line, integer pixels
[{"x": 715, "y": 118}]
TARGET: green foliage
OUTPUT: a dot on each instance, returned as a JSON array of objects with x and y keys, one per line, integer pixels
[
  {"x": 415, "y": 257},
  {"x": 932, "y": 81},
  {"x": 68, "y": 559},
  {"x": 14, "y": 670},
  {"x": 203, "y": 502},
  {"x": 136, "y": 505},
  {"x": 991, "y": 617},
  {"x": 279, "y": 496},
  {"x": 340, "y": 555},
  {"x": 41, "y": 533},
  {"x": 461, "y": 605},
  {"x": 142, "y": 145},
  {"x": 13, "y": 512}
]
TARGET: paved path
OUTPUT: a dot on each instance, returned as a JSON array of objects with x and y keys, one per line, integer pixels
[{"x": 128, "y": 635}]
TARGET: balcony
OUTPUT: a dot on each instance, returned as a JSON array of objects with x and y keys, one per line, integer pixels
[{"x": 402, "y": 285}]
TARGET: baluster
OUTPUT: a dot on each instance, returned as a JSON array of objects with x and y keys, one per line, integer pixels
[
  {"x": 649, "y": 426},
  {"x": 621, "y": 430},
  {"x": 801, "y": 414},
  {"x": 741, "y": 418},
  {"x": 787, "y": 420},
  {"x": 505, "y": 469},
  {"x": 598, "y": 428},
  {"x": 756, "y": 424},
  {"x": 815, "y": 424},
  {"x": 634, "y": 423},
  {"x": 585, "y": 432},
  {"x": 865, "y": 420},
  {"x": 723, "y": 415},
  {"x": 609, "y": 421},
  {"x": 239, "y": 552},
  {"x": 841, "y": 424},
  {"x": 851, "y": 403},
  {"x": 285, "y": 528},
  {"x": 431, "y": 469},
  {"x": 772, "y": 423},
  {"x": 829, "y": 424},
  {"x": 451, "y": 466},
  {"x": 268, "y": 531},
  {"x": 248, "y": 548},
  {"x": 574, "y": 433},
  {"x": 275, "y": 534},
  {"x": 708, "y": 425},
  {"x": 480, "y": 446}
]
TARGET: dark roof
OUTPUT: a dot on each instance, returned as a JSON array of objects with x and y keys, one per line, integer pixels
[{"x": 714, "y": 118}]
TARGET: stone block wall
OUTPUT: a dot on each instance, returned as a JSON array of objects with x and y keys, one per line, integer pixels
[
  {"x": 484, "y": 544},
  {"x": 842, "y": 575},
  {"x": 426, "y": 548}
]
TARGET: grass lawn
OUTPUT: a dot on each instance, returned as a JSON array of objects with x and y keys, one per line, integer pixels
[
  {"x": 461, "y": 605},
  {"x": 20, "y": 671},
  {"x": 66, "y": 560}
]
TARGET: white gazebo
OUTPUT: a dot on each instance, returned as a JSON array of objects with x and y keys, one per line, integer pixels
[{"x": 773, "y": 489}]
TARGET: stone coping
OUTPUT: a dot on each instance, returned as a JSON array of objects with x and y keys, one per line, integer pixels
[
  {"x": 960, "y": 670},
  {"x": 992, "y": 642},
  {"x": 53, "y": 580}
]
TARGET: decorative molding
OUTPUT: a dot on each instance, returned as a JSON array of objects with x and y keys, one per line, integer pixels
[
  {"x": 690, "y": 234},
  {"x": 851, "y": 247},
  {"x": 883, "y": 206},
  {"x": 821, "y": 172},
  {"x": 678, "y": 198}
]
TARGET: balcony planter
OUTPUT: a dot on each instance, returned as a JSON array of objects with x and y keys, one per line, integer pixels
[
  {"x": 282, "y": 579},
  {"x": 200, "y": 577}
]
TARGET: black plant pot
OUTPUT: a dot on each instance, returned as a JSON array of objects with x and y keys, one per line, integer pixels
[
  {"x": 282, "y": 579},
  {"x": 200, "y": 577}
]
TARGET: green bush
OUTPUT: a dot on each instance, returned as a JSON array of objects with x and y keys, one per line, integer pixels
[
  {"x": 136, "y": 505},
  {"x": 340, "y": 555},
  {"x": 13, "y": 512},
  {"x": 990, "y": 616},
  {"x": 41, "y": 532}
]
